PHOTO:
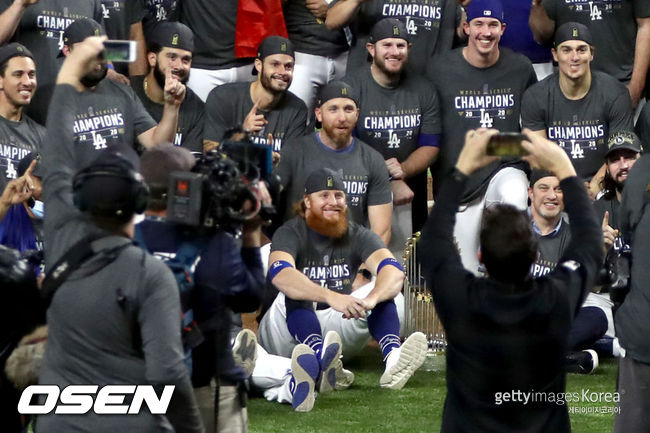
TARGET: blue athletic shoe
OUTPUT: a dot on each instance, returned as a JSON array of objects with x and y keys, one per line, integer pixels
[
  {"x": 329, "y": 361},
  {"x": 305, "y": 369}
]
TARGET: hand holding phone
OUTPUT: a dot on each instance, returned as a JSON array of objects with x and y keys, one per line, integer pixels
[
  {"x": 506, "y": 145},
  {"x": 117, "y": 51}
]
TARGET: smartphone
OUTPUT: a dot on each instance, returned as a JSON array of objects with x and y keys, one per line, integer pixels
[
  {"x": 120, "y": 51},
  {"x": 506, "y": 145}
]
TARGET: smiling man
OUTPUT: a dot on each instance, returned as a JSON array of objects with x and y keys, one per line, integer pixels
[
  {"x": 400, "y": 118},
  {"x": 169, "y": 47},
  {"x": 481, "y": 86},
  {"x": 19, "y": 135},
  {"x": 265, "y": 108},
  {"x": 576, "y": 107},
  {"x": 363, "y": 169}
]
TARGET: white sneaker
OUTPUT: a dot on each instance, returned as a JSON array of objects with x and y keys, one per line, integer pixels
[
  {"x": 244, "y": 351},
  {"x": 329, "y": 361},
  {"x": 304, "y": 368},
  {"x": 344, "y": 378},
  {"x": 404, "y": 361}
]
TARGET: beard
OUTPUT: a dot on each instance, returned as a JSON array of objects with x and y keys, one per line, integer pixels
[
  {"x": 160, "y": 76},
  {"x": 393, "y": 74},
  {"x": 91, "y": 79},
  {"x": 267, "y": 83},
  {"x": 332, "y": 229}
]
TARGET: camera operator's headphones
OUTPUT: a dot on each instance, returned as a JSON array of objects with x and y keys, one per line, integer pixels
[{"x": 134, "y": 201}]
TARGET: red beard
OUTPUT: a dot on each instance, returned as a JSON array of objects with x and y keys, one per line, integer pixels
[{"x": 332, "y": 229}]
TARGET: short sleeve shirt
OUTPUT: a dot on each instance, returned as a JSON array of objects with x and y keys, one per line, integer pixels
[
  {"x": 228, "y": 105},
  {"x": 613, "y": 28},
  {"x": 17, "y": 139},
  {"x": 191, "y": 117},
  {"x": 580, "y": 127},
  {"x": 473, "y": 98},
  {"x": 363, "y": 170},
  {"x": 423, "y": 20},
  {"x": 330, "y": 262},
  {"x": 111, "y": 114}
]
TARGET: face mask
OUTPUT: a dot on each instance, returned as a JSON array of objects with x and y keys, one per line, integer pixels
[{"x": 38, "y": 209}]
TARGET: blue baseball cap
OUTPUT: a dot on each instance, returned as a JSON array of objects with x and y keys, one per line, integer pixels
[{"x": 485, "y": 9}]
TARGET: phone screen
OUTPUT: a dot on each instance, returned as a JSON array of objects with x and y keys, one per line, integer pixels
[
  {"x": 506, "y": 145},
  {"x": 120, "y": 51}
]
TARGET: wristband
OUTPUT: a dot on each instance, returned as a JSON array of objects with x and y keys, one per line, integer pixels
[
  {"x": 389, "y": 261},
  {"x": 276, "y": 267},
  {"x": 110, "y": 66}
]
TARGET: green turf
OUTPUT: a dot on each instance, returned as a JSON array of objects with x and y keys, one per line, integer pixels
[{"x": 365, "y": 407}]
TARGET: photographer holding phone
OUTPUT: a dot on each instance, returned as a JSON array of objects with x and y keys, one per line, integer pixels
[{"x": 528, "y": 320}]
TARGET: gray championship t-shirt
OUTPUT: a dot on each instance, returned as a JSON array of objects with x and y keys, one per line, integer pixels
[
  {"x": 391, "y": 120},
  {"x": 17, "y": 139},
  {"x": 191, "y": 117},
  {"x": 309, "y": 34},
  {"x": 330, "y": 262},
  {"x": 363, "y": 170},
  {"x": 213, "y": 25},
  {"x": 110, "y": 114},
  {"x": 423, "y": 19},
  {"x": 580, "y": 127},
  {"x": 473, "y": 98},
  {"x": 228, "y": 105},
  {"x": 41, "y": 30},
  {"x": 613, "y": 27}
]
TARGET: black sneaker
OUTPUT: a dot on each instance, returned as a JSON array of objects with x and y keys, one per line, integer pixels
[{"x": 583, "y": 362}]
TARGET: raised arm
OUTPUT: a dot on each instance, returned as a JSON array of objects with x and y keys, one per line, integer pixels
[
  {"x": 11, "y": 17},
  {"x": 540, "y": 24},
  {"x": 342, "y": 13}
]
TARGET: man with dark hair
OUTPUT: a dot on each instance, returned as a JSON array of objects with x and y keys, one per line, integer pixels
[
  {"x": 481, "y": 86},
  {"x": 400, "y": 118},
  {"x": 527, "y": 320},
  {"x": 624, "y": 149},
  {"x": 19, "y": 134},
  {"x": 621, "y": 32},
  {"x": 111, "y": 112},
  {"x": 264, "y": 108},
  {"x": 170, "y": 46},
  {"x": 363, "y": 169},
  {"x": 576, "y": 107},
  {"x": 314, "y": 259},
  {"x": 114, "y": 312}
]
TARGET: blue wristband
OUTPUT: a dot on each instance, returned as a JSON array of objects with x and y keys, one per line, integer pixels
[
  {"x": 276, "y": 267},
  {"x": 110, "y": 66},
  {"x": 389, "y": 261}
]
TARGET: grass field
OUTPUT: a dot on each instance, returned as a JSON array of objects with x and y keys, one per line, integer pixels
[{"x": 365, "y": 407}]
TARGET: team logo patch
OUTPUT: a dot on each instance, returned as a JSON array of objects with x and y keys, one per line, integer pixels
[
  {"x": 175, "y": 39},
  {"x": 330, "y": 182},
  {"x": 283, "y": 47},
  {"x": 575, "y": 32},
  {"x": 395, "y": 31},
  {"x": 487, "y": 13},
  {"x": 19, "y": 48},
  {"x": 344, "y": 91},
  {"x": 96, "y": 32}
]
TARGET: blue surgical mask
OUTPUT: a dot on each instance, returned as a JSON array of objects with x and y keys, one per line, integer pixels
[{"x": 38, "y": 209}]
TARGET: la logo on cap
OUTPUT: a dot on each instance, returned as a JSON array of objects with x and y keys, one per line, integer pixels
[
  {"x": 395, "y": 30},
  {"x": 330, "y": 182},
  {"x": 344, "y": 91},
  {"x": 175, "y": 39},
  {"x": 575, "y": 32},
  {"x": 283, "y": 47}
]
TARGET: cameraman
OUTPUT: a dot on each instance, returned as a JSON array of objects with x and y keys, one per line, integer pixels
[
  {"x": 114, "y": 317},
  {"x": 228, "y": 278}
]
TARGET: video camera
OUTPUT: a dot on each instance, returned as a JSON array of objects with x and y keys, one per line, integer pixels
[
  {"x": 221, "y": 190},
  {"x": 615, "y": 274}
]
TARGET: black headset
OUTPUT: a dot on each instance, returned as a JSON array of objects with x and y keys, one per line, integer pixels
[{"x": 138, "y": 194}]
